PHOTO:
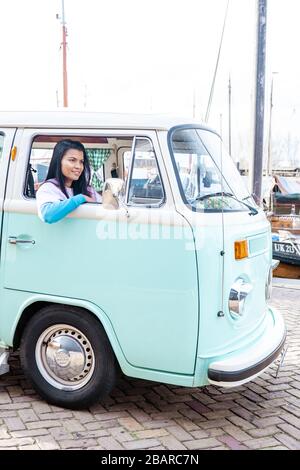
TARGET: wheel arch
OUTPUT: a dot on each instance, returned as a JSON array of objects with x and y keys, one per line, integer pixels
[
  {"x": 35, "y": 305},
  {"x": 26, "y": 315}
]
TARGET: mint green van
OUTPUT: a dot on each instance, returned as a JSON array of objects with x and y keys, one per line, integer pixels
[{"x": 167, "y": 279}]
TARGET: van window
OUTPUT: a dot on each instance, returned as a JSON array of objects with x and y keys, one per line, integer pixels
[
  {"x": 1, "y": 144},
  {"x": 127, "y": 155},
  {"x": 145, "y": 184},
  {"x": 101, "y": 151},
  {"x": 198, "y": 168}
]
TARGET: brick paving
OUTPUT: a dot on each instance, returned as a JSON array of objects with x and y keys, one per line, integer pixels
[{"x": 263, "y": 414}]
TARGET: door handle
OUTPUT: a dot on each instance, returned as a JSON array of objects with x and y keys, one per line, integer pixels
[{"x": 15, "y": 240}]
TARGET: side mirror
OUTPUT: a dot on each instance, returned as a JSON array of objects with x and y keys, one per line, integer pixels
[{"x": 111, "y": 193}]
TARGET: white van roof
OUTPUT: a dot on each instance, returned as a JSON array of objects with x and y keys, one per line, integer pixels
[{"x": 81, "y": 119}]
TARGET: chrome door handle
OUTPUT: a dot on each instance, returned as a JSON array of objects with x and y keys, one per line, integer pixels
[{"x": 15, "y": 240}]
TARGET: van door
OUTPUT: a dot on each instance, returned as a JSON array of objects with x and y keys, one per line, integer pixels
[
  {"x": 232, "y": 289},
  {"x": 197, "y": 190},
  {"x": 135, "y": 268}
]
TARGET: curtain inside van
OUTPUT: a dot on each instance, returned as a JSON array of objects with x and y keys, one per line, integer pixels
[{"x": 97, "y": 158}]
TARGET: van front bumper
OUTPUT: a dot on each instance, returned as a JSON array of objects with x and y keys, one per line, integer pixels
[{"x": 244, "y": 365}]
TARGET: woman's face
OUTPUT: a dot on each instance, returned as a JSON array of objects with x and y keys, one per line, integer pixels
[{"x": 72, "y": 164}]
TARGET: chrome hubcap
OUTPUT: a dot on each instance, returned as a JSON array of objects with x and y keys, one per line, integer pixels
[{"x": 65, "y": 357}]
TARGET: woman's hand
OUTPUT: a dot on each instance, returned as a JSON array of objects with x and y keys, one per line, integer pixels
[{"x": 88, "y": 198}]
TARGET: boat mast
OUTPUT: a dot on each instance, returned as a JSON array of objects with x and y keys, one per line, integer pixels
[
  {"x": 229, "y": 115},
  {"x": 269, "y": 161},
  {"x": 64, "y": 55},
  {"x": 216, "y": 69}
]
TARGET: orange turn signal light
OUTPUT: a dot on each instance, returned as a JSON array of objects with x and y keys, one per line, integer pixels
[
  {"x": 13, "y": 153},
  {"x": 241, "y": 249}
]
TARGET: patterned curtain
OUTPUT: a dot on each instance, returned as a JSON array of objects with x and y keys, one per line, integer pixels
[{"x": 97, "y": 158}]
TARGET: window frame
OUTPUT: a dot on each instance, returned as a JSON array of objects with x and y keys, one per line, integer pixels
[
  {"x": 67, "y": 135},
  {"x": 155, "y": 205},
  {"x": 177, "y": 175}
]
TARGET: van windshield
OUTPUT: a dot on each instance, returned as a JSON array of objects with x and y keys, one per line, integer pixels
[{"x": 200, "y": 160}]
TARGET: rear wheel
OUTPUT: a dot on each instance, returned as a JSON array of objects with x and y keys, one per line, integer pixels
[{"x": 67, "y": 356}]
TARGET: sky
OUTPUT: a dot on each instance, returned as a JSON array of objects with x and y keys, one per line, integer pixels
[{"x": 156, "y": 56}]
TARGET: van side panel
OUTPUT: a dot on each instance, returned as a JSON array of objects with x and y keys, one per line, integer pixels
[
  {"x": 15, "y": 302},
  {"x": 6, "y": 142},
  {"x": 147, "y": 288}
]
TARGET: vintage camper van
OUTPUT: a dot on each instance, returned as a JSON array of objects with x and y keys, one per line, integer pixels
[{"x": 167, "y": 279}]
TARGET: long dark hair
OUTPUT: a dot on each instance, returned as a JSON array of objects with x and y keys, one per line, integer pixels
[{"x": 81, "y": 185}]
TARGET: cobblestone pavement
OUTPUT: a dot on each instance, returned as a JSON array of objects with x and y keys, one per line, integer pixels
[{"x": 264, "y": 414}]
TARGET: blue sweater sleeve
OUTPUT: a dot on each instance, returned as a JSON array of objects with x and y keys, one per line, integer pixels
[{"x": 54, "y": 211}]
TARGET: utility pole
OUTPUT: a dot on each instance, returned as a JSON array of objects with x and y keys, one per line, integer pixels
[
  {"x": 64, "y": 54},
  {"x": 259, "y": 98}
]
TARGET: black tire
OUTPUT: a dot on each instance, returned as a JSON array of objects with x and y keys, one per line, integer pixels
[{"x": 97, "y": 378}]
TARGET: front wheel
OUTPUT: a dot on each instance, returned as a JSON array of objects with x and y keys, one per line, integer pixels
[{"x": 66, "y": 355}]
